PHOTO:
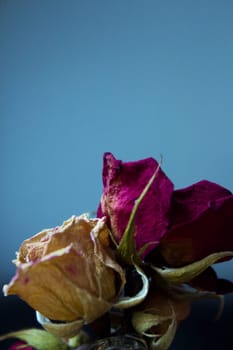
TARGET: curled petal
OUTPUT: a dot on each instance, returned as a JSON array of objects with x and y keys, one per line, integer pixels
[{"x": 74, "y": 230}]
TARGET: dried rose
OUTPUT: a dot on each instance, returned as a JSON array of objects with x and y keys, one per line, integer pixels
[
  {"x": 68, "y": 273},
  {"x": 123, "y": 184},
  {"x": 201, "y": 223},
  {"x": 192, "y": 227}
]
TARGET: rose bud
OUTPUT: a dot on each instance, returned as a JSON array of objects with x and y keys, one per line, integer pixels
[
  {"x": 201, "y": 224},
  {"x": 69, "y": 272},
  {"x": 123, "y": 184}
]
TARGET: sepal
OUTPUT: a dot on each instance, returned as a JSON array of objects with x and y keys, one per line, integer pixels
[{"x": 186, "y": 273}]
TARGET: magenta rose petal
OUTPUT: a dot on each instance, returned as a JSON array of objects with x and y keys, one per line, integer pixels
[
  {"x": 201, "y": 223},
  {"x": 123, "y": 183},
  {"x": 190, "y": 202}
]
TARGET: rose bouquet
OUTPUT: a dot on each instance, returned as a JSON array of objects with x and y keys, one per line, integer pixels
[{"x": 133, "y": 270}]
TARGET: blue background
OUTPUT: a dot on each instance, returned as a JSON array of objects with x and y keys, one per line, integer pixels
[{"x": 137, "y": 78}]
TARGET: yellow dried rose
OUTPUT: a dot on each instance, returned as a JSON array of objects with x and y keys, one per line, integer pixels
[{"x": 68, "y": 273}]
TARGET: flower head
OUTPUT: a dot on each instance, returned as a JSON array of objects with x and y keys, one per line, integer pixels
[
  {"x": 69, "y": 272},
  {"x": 148, "y": 246},
  {"x": 181, "y": 226},
  {"x": 184, "y": 225}
]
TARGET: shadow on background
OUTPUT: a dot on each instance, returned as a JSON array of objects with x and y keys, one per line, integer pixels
[{"x": 199, "y": 331}]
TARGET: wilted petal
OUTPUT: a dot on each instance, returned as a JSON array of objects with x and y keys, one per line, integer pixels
[
  {"x": 51, "y": 287},
  {"x": 123, "y": 184},
  {"x": 190, "y": 202},
  {"x": 201, "y": 224},
  {"x": 74, "y": 230}
]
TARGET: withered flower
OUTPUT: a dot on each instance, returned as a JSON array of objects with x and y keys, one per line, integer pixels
[
  {"x": 180, "y": 226},
  {"x": 165, "y": 240},
  {"x": 68, "y": 273}
]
